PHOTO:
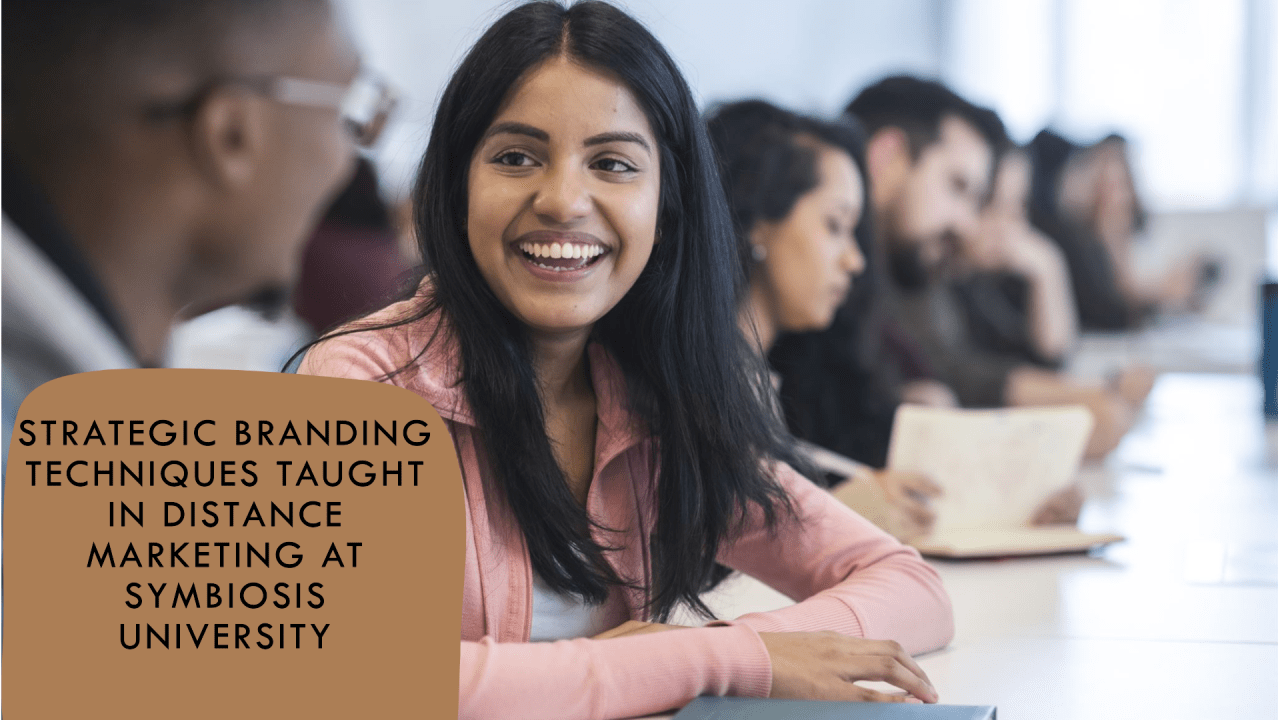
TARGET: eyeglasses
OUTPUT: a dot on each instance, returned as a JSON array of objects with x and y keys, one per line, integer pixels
[{"x": 365, "y": 105}]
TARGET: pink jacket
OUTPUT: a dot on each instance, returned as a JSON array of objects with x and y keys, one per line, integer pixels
[{"x": 847, "y": 575}]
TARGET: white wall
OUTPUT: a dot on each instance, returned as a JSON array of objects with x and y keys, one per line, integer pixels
[
  {"x": 808, "y": 54},
  {"x": 1171, "y": 74},
  {"x": 1002, "y": 53},
  {"x": 1192, "y": 83}
]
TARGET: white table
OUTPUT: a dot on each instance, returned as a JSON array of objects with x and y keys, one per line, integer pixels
[
  {"x": 1181, "y": 621},
  {"x": 1176, "y": 344}
]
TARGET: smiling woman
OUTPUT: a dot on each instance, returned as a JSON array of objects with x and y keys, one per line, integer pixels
[
  {"x": 576, "y": 330},
  {"x": 569, "y": 165}
]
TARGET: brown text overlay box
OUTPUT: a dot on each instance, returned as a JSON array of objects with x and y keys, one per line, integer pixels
[{"x": 392, "y": 605}]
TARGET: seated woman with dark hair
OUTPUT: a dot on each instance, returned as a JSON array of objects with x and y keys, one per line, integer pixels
[
  {"x": 577, "y": 330},
  {"x": 796, "y": 186},
  {"x": 838, "y": 391},
  {"x": 1084, "y": 198}
]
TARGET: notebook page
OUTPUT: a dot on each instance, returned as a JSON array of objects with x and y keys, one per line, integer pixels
[{"x": 995, "y": 466}]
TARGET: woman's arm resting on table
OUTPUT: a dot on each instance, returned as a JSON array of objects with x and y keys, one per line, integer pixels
[
  {"x": 848, "y": 576},
  {"x": 616, "y": 678}
]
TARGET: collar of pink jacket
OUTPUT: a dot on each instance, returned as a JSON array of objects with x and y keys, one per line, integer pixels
[{"x": 498, "y": 581}]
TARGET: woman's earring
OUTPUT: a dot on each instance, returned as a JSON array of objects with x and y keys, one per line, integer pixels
[{"x": 758, "y": 252}]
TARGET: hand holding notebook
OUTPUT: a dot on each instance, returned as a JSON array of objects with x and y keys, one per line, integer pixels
[{"x": 997, "y": 467}]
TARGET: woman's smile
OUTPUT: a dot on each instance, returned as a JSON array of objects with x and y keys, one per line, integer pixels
[{"x": 560, "y": 256}]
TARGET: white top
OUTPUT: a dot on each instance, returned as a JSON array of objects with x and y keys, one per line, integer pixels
[{"x": 562, "y": 617}]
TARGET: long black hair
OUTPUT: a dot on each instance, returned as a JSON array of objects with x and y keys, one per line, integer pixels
[{"x": 690, "y": 375}]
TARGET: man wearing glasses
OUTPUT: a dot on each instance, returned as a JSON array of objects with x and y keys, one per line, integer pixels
[{"x": 162, "y": 159}]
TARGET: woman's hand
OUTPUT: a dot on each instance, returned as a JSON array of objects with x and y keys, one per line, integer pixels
[
  {"x": 911, "y": 492},
  {"x": 827, "y": 665},
  {"x": 1062, "y": 508},
  {"x": 635, "y": 627},
  {"x": 1114, "y": 416},
  {"x": 1134, "y": 383},
  {"x": 894, "y": 501}
]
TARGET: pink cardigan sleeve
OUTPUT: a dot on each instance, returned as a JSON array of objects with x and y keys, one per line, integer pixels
[
  {"x": 848, "y": 575},
  {"x": 616, "y": 678}
]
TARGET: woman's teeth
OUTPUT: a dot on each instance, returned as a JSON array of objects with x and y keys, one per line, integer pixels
[
  {"x": 562, "y": 250},
  {"x": 561, "y": 257}
]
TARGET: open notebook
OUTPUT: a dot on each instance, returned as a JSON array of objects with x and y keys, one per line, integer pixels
[{"x": 996, "y": 467}]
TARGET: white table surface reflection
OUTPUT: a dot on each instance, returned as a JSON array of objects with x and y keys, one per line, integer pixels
[{"x": 1180, "y": 621}]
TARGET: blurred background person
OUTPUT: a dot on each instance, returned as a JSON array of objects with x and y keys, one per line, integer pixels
[
  {"x": 1014, "y": 283},
  {"x": 1015, "y": 286},
  {"x": 796, "y": 186},
  {"x": 1084, "y": 198},
  {"x": 160, "y": 159},
  {"x": 353, "y": 263},
  {"x": 931, "y": 156}
]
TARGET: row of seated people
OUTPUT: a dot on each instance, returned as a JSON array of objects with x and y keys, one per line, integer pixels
[
  {"x": 585, "y": 238},
  {"x": 976, "y": 264},
  {"x": 979, "y": 262}
]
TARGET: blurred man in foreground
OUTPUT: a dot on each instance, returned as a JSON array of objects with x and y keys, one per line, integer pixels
[{"x": 161, "y": 159}]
